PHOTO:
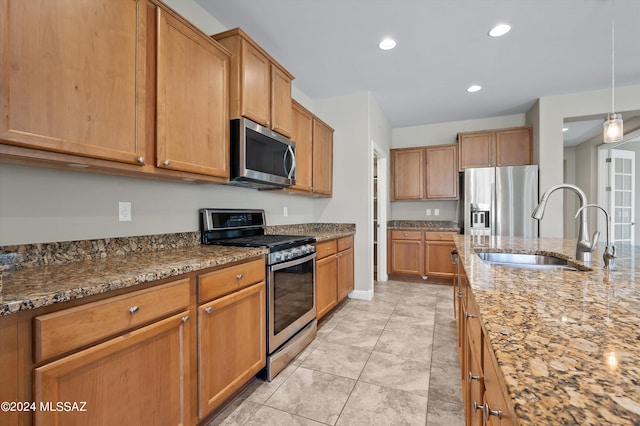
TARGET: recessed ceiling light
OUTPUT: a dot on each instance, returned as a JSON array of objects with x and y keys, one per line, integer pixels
[
  {"x": 565, "y": 129},
  {"x": 474, "y": 88},
  {"x": 387, "y": 44},
  {"x": 499, "y": 30}
]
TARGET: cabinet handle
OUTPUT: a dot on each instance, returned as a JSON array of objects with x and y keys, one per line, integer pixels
[
  {"x": 276, "y": 127},
  {"x": 405, "y": 234},
  {"x": 134, "y": 309},
  {"x": 472, "y": 377},
  {"x": 239, "y": 276},
  {"x": 141, "y": 160},
  {"x": 489, "y": 412},
  {"x": 208, "y": 310},
  {"x": 459, "y": 294},
  {"x": 166, "y": 162},
  {"x": 468, "y": 315},
  {"x": 185, "y": 318},
  {"x": 268, "y": 123},
  {"x": 477, "y": 406}
]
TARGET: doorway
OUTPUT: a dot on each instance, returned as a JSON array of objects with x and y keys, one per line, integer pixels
[
  {"x": 616, "y": 193},
  {"x": 379, "y": 210}
]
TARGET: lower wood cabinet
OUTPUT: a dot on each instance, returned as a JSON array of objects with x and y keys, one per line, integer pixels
[
  {"x": 131, "y": 368},
  {"x": 168, "y": 354},
  {"x": 483, "y": 394},
  {"x": 231, "y": 344},
  {"x": 334, "y": 274},
  {"x": 421, "y": 253}
]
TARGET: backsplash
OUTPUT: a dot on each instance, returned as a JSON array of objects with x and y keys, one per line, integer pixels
[
  {"x": 436, "y": 225},
  {"x": 58, "y": 253}
]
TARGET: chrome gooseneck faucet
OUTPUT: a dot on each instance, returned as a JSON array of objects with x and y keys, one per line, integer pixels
[
  {"x": 609, "y": 254},
  {"x": 584, "y": 246}
]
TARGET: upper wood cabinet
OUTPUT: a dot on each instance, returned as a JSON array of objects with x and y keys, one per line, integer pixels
[
  {"x": 260, "y": 87},
  {"x": 490, "y": 148},
  {"x": 123, "y": 87},
  {"x": 192, "y": 101},
  {"x": 302, "y": 134},
  {"x": 424, "y": 173},
  {"x": 314, "y": 154},
  {"x": 441, "y": 173},
  {"x": 407, "y": 174},
  {"x": 322, "y": 158},
  {"x": 74, "y": 77}
]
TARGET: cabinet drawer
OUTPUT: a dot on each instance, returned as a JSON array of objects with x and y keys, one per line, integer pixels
[
  {"x": 345, "y": 243},
  {"x": 406, "y": 235},
  {"x": 69, "y": 329},
  {"x": 224, "y": 281},
  {"x": 326, "y": 248},
  {"x": 439, "y": 236}
]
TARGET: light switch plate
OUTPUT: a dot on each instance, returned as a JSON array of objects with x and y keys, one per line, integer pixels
[{"x": 428, "y": 212}]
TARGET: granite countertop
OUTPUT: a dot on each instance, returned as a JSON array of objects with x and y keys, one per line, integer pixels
[
  {"x": 424, "y": 225},
  {"x": 43, "y": 274},
  {"x": 567, "y": 343}
]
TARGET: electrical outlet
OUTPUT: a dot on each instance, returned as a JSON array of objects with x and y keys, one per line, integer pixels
[
  {"x": 124, "y": 211},
  {"x": 428, "y": 212},
  {"x": 436, "y": 212},
  {"x": 285, "y": 211}
]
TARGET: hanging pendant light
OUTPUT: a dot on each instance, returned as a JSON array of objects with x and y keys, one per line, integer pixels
[{"x": 613, "y": 126}]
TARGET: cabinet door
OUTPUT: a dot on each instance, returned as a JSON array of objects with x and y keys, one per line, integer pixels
[
  {"x": 256, "y": 85},
  {"x": 232, "y": 344},
  {"x": 74, "y": 77},
  {"x": 139, "y": 378},
  {"x": 302, "y": 134},
  {"x": 322, "y": 158},
  {"x": 475, "y": 150},
  {"x": 438, "y": 259},
  {"x": 9, "y": 365},
  {"x": 192, "y": 101},
  {"x": 513, "y": 147},
  {"x": 494, "y": 396},
  {"x": 281, "y": 120},
  {"x": 406, "y": 257},
  {"x": 345, "y": 273},
  {"x": 407, "y": 174},
  {"x": 326, "y": 286},
  {"x": 442, "y": 172}
]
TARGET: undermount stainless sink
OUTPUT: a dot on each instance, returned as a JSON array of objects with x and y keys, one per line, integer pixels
[{"x": 526, "y": 261}]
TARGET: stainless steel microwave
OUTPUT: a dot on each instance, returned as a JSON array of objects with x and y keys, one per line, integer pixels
[{"x": 260, "y": 158}]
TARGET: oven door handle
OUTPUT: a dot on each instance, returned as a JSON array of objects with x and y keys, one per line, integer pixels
[{"x": 293, "y": 262}]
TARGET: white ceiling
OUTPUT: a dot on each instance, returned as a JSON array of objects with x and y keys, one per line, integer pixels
[{"x": 555, "y": 47}]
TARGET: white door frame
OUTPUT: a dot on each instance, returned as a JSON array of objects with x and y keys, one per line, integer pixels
[{"x": 381, "y": 205}]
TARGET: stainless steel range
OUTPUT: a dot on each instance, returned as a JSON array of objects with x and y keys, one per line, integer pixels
[{"x": 291, "y": 298}]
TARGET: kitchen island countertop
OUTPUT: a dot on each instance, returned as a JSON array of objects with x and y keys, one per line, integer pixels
[{"x": 567, "y": 342}]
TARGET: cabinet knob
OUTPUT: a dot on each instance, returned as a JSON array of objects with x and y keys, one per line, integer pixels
[
  {"x": 134, "y": 309},
  {"x": 208, "y": 310},
  {"x": 141, "y": 160},
  {"x": 185, "y": 318},
  {"x": 468, "y": 315},
  {"x": 472, "y": 377},
  {"x": 488, "y": 412},
  {"x": 166, "y": 162},
  {"x": 268, "y": 123},
  {"x": 276, "y": 126},
  {"x": 405, "y": 234},
  {"x": 477, "y": 406},
  {"x": 239, "y": 276}
]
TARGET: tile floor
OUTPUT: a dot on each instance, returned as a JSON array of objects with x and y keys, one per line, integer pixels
[{"x": 390, "y": 361}]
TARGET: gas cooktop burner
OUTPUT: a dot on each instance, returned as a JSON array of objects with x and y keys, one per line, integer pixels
[{"x": 273, "y": 242}]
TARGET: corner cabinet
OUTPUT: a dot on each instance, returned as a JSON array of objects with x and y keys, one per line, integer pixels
[
  {"x": 260, "y": 87},
  {"x": 490, "y": 148},
  {"x": 334, "y": 273},
  {"x": 424, "y": 173}
]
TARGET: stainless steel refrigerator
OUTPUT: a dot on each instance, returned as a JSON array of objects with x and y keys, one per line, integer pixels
[{"x": 499, "y": 201}]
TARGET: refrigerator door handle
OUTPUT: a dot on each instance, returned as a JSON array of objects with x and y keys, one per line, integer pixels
[{"x": 494, "y": 209}]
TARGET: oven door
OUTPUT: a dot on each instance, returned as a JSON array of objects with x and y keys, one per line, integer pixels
[{"x": 291, "y": 291}]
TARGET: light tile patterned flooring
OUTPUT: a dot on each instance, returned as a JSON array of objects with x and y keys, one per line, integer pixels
[{"x": 390, "y": 361}]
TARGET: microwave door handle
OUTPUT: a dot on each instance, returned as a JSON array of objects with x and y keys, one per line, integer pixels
[{"x": 293, "y": 162}]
